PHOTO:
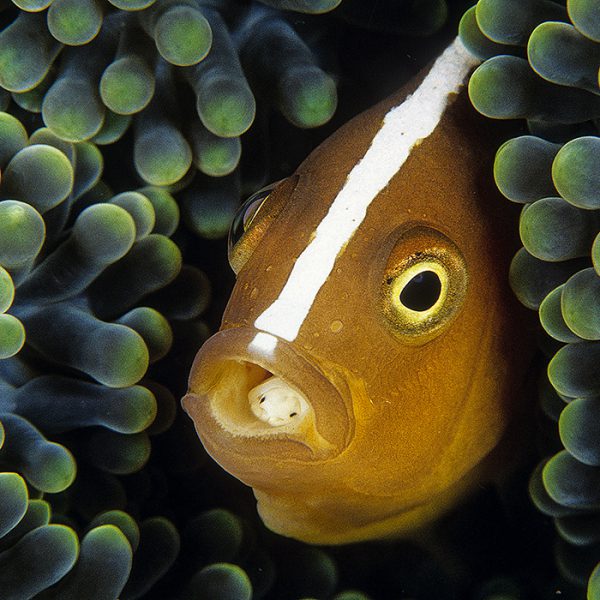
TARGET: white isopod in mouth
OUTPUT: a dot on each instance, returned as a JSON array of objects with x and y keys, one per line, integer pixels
[
  {"x": 249, "y": 401},
  {"x": 275, "y": 402}
]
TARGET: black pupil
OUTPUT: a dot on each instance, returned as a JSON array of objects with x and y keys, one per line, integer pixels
[{"x": 422, "y": 291}]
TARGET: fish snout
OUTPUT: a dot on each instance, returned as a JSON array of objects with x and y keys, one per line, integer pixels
[{"x": 256, "y": 398}]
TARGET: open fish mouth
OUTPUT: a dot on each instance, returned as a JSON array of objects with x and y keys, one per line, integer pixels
[
  {"x": 249, "y": 400},
  {"x": 241, "y": 395}
]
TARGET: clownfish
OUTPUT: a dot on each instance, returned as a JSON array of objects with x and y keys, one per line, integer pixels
[{"x": 367, "y": 370}]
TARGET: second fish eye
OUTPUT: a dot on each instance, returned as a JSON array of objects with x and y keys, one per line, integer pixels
[
  {"x": 252, "y": 208},
  {"x": 251, "y": 221},
  {"x": 246, "y": 215}
]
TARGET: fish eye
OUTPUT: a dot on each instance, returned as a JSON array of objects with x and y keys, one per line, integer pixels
[
  {"x": 422, "y": 291},
  {"x": 246, "y": 218},
  {"x": 246, "y": 214},
  {"x": 424, "y": 285}
]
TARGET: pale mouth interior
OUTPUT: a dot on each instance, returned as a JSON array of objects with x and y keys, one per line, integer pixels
[{"x": 248, "y": 400}]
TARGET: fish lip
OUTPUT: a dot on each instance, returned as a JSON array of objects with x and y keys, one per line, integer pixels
[{"x": 332, "y": 410}]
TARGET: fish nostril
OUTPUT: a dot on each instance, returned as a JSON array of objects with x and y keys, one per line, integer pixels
[{"x": 275, "y": 402}]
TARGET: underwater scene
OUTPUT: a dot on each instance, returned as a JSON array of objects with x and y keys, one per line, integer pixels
[{"x": 299, "y": 299}]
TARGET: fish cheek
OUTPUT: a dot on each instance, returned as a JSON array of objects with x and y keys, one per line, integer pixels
[{"x": 417, "y": 379}]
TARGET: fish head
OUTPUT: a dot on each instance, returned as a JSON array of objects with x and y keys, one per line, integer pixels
[{"x": 365, "y": 371}]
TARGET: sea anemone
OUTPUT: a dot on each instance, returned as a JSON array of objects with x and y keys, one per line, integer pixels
[
  {"x": 183, "y": 76},
  {"x": 82, "y": 321},
  {"x": 93, "y": 290},
  {"x": 541, "y": 64}
]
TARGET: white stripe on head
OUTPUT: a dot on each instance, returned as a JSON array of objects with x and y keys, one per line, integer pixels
[
  {"x": 263, "y": 343},
  {"x": 404, "y": 126}
]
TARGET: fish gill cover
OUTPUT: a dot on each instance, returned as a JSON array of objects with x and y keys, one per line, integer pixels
[{"x": 121, "y": 115}]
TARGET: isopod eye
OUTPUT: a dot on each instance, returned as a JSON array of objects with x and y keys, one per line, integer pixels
[{"x": 422, "y": 291}]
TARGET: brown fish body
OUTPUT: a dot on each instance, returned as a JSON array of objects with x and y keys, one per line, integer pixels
[{"x": 403, "y": 411}]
